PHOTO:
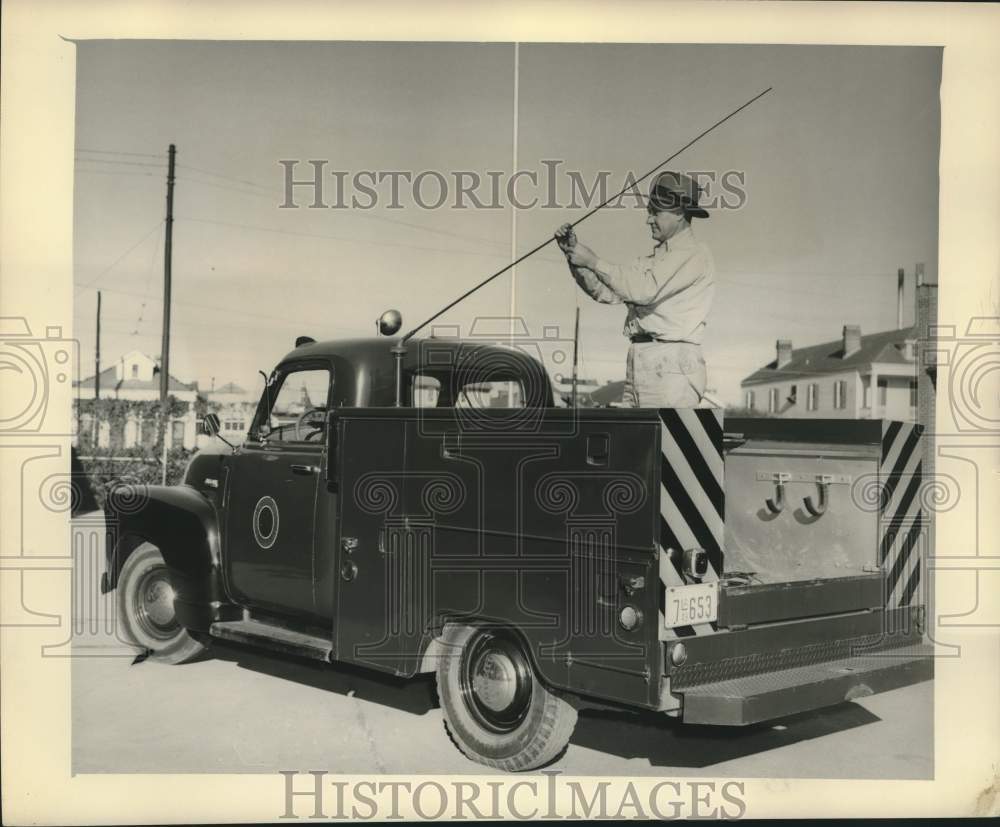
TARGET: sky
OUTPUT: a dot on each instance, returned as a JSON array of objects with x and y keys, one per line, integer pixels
[{"x": 839, "y": 164}]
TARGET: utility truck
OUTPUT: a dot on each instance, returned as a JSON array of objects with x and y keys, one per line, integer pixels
[{"x": 432, "y": 509}]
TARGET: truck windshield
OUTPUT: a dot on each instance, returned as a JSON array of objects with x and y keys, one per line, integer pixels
[{"x": 298, "y": 406}]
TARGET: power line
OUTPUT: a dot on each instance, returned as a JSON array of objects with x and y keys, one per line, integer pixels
[
  {"x": 145, "y": 289},
  {"x": 225, "y": 187},
  {"x": 366, "y": 215},
  {"x": 216, "y": 308},
  {"x": 119, "y": 163},
  {"x": 377, "y": 242},
  {"x": 222, "y": 175},
  {"x": 115, "y": 172},
  {"x": 116, "y": 152},
  {"x": 120, "y": 258}
]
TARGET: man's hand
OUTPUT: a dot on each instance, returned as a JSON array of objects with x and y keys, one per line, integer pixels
[
  {"x": 578, "y": 255},
  {"x": 566, "y": 238}
]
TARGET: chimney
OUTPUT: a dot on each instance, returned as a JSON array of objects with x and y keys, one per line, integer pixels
[
  {"x": 784, "y": 352},
  {"x": 900, "y": 278},
  {"x": 852, "y": 339}
]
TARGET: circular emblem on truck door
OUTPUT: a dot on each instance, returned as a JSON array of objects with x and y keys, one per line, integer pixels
[{"x": 265, "y": 522}]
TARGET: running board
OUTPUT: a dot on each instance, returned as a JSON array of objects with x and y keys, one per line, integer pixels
[
  {"x": 273, "y": 637},
  {"x": 770, "y": 695}
]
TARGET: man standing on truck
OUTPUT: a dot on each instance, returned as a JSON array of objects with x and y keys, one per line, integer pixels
[{"x": 668, "y": 294}]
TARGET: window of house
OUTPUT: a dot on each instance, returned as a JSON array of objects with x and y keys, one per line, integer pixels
[
  {"x": 135, "y": 371},
  {"x": 883, "y": 392},
  {"x": 750, "y": 400},
  {"x": 772, "y": 400},
  {"x": 840, "y": 394},
  {"x": 913, "y": 393},
  {"x": 793, "y": 394},
  {"x": 812, "y": 396}
]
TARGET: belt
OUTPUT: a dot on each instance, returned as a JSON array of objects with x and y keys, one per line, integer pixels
[{"x": 639, "y": 338}]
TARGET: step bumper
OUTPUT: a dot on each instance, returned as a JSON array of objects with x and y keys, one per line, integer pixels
[{"x": 753, "y": 698}]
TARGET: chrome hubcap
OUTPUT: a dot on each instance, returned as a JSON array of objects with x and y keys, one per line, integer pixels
[
  {"x": 496, "y": 681},
  {"x": 154, "y": 604}
]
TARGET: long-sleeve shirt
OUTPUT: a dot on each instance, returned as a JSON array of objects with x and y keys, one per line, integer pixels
[{"x": 668, "y": 293}]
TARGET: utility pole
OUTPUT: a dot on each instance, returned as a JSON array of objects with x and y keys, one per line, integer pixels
[
  {"x": 97, "y": 369},
  {"x": 165, "y": 345},
  {"x": 97, "y": 352},
  {"x": 900, "y": 281}
]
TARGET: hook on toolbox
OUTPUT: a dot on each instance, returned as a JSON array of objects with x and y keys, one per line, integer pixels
[
  {"x": 818, "y": 508},
  {"x": 777, "y": 504}
]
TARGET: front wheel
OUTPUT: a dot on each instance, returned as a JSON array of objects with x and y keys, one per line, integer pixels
[
  {"x": 495, "y": 709},
  {"x": 146, "y": 608}
]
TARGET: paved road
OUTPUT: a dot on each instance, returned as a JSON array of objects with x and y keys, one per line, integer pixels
[
  {"x": 243, "y": 711},
  {"x": 240, "y": 710}
]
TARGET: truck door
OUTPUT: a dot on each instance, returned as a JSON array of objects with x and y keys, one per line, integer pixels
[{"x": 273, "y": 488}]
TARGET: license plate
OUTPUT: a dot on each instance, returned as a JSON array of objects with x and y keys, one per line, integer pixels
[{"x": 690, "y": 605}]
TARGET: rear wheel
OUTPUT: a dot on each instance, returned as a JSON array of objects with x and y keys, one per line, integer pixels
[
  {"x": 146, "y": 608},
  {"x": 495, "y": 708}
]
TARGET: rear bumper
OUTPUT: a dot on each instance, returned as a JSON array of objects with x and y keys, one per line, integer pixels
[
  {"x": 754, "y": 698},
  {"x": 734, "y": 678}
]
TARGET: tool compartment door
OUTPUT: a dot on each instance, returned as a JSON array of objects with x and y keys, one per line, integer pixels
[{"x": 821, "y": 517}]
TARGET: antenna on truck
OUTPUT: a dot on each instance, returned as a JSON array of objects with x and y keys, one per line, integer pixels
[{"x": 399, "y": 349}]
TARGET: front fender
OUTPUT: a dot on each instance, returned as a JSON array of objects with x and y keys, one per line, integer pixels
[{"x": 184, "y": 526}]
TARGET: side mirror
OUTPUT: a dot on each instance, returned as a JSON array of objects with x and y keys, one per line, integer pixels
[
  {"x": 390, "y": 322},
  {"x": 210, "y": 424}
]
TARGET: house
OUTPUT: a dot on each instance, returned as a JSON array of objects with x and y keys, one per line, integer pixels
[
  {"x": 853, "y": 377},
  {"x": 235, "y": 407},
  {"x": 135, "y": 377}
]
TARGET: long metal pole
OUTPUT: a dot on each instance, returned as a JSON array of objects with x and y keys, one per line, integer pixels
[
  {"x": 97, "y": 373},
  {"x": 513, "y": 219},
  {"x": 165, "y": 344},
  {"x": 587, "y": 215}
]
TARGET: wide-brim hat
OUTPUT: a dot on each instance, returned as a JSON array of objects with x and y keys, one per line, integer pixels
[{"x": 675, "y": 190}]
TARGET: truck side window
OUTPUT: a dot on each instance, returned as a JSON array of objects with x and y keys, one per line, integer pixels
[
  {"x": 425, "y": 391},
  {"x": 490, "y": 394},
  {"x": 299, "y": 404}
]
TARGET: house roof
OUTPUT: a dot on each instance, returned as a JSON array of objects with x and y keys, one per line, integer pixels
[
  {"x": 229, "y": 387},
  {"x": 109, "y": 383},
  {"x": 828, "y": 357}
]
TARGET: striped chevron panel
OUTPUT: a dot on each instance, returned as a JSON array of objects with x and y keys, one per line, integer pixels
[
  {"x": 691, "y": 500},
  {"x": 902, "y": 536}
]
